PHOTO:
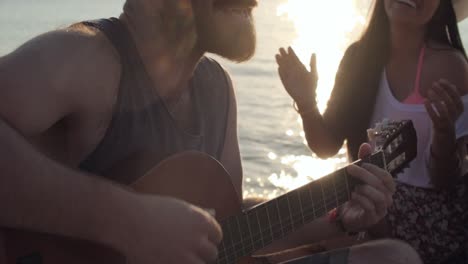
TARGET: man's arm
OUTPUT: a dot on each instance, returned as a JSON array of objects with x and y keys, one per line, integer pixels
[
  {"x": 57, "y": 75},
  {"x": 66, "y": 78},
  {"x": 45, "y": 81},
  {"x": 39, "y": 194}
]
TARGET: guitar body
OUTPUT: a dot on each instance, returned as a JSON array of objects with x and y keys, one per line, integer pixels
[{"x": 191, "y": 176}]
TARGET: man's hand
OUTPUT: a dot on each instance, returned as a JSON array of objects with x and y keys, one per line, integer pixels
[
  {"x": 370, "y": 201},
  {"x": 167, "y": 230}
]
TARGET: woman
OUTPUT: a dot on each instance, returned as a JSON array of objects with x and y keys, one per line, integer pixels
[{"x": 409, "y": 64}]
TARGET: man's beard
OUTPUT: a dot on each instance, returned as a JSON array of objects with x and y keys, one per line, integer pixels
[{"x": 228, "y": 33}]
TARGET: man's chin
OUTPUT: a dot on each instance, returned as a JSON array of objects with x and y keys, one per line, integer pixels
[
  {"x": 233, "y": 35},
  {"x": 238, "y": 52}
]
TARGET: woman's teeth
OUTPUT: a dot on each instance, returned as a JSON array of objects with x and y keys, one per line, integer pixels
[{"x": 408, "y": 2}]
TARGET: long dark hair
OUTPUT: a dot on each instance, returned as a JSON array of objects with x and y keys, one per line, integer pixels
[
  {"x": 362, "y": 66},
  {"x": 375, "y": 41}
]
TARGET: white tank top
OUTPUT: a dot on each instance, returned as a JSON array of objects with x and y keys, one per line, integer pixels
[{"x": 387, "y": 106}]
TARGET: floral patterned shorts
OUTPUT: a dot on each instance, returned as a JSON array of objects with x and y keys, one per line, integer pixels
[{"x": 434, "y": 222}]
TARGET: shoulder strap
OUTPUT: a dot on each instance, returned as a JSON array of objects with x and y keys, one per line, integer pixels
[
  {"x": 417, "y": 83},
  {"x": 114, "y": 31}
]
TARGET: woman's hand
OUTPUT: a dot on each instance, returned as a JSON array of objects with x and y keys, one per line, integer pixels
[
  {"x": 298, "y": 81},
  {"x": 444, "y": 106}
]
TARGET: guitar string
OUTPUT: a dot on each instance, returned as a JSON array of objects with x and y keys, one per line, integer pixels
[
  {"x": 340, "y": 189},
  {"x": 250, "y": 242},
  {"x": 289, "y": 219},
  {"x": 233, "y": 253},
  {"x": 321, "y": 209},
  {"x": 261, "y": 231},
  {"x": 242, "y": 250}
]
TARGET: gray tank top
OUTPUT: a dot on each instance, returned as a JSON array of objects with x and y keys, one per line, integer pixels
[{"x": 141, "y": 123}]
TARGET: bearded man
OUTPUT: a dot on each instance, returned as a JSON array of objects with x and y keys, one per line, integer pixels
[{"x": 76, "y": 102}]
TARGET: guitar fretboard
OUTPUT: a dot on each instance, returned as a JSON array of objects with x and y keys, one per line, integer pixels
[{"x": 275, "y": 219}]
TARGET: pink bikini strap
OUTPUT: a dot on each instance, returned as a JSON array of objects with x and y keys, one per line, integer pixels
[{"x": 419, "y": 70}]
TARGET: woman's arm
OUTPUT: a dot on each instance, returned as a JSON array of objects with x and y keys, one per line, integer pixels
[
  {"x": 320, "y": 132},
  {"x": 444, "y": 106}
]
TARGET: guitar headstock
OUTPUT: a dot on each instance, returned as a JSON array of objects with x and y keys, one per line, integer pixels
[{"x": 397, "y": 140}]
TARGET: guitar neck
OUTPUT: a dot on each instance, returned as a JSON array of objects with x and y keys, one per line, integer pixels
[{"x": 275, "y": 219}]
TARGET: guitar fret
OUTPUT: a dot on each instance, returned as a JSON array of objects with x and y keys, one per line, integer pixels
[
  {"x": 311, "y": 200},
  {"x": 239, "y": 246},
  {"x": 262, "y": 216},
  {"x": 334, "y": 187},
  {"x": 343, "y": 186},
  {"x": 317, "y": 198},
  {"x": 279, "y": 219},
  {"x": 330, "y": 198},
  {"x": 290, "y": 212},
  {"x": 285, "y": 214},
  {"x": 347, "y": 184},
  {"x": 235, "y": 236},
  {"x": 222, "y": 259},
  {"x": 305, "y": 204},
  {"x": 296, "y": 210},
  {"x": 250, "y": 232},
  {"x": 228, "y": 239},
  {"x": 257, "y": 239},
  {"x": 269, "y": 223},
  {"x": 241, "y": 239},
  {"x": 323, "y": 196},
  {"x": 259, "y": 229},
  {"x": 245, "y": 234}
]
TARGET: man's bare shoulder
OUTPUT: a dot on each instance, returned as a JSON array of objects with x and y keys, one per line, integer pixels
[
  {"x": 77, "y": 49},
  {"x": 72, "y": 70}
]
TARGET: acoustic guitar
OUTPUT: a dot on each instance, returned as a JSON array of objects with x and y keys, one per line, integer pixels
[{"x": 201, "y": 180}]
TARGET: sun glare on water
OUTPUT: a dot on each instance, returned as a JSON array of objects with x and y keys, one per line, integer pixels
[{"x": 325, "y": 28}]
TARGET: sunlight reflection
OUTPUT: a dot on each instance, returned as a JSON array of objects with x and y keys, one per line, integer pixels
[
  {"x": 326, "y": 29},
  {"x": 272, "y": 156},
  {"x": 308, "y": 168}
]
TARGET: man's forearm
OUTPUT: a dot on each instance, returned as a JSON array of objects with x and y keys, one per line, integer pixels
[{"x": 39, "y": 194}]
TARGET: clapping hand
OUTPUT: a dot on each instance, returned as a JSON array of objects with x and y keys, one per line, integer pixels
[
  {"x": 444, "y": 106},
  {"x": 300, "y": 83}
]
